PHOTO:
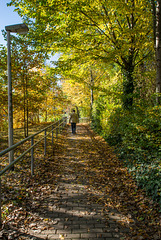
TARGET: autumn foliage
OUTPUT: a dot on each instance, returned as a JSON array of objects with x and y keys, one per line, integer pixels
[{"x": 108, "y": 71}]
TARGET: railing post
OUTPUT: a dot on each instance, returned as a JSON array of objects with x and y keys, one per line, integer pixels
[
  {"x": 32, "y": 157},
  {"x": 52, "y": 135},
  {"x": 59, "y": 126},
  {"x": 45, "y": 144},
  {"x": 53, "y": 139},
  {"x": 0, "y": 201},
  {"x": 63, "y": 122},
  {"x": 56, "y": 132}
]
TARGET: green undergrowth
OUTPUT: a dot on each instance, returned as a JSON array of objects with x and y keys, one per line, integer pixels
[{"x": 136, "y": 136}]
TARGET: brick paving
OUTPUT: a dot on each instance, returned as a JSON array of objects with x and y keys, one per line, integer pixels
[{"x": 69, "y": 212}]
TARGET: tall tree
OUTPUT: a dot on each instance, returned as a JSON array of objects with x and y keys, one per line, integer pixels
[
  {"x": 158, "y": 51},
  {"x": 24, "y": 59},
  {"x": 3, "y": 87},
  {"x": 116, "y": 31}
]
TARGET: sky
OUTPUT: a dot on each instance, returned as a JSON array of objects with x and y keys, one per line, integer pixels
[{"x": 7, "y": 17}]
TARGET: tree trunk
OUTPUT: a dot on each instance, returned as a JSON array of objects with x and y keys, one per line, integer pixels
[
  {"x": 92, "y": 97},
  {"x": 38, "y": 116},
  {"x": 24, "y": 104},
  {"x": 128, "y": 86},
  {"x": 78, "y": 113},
  {"x": 27, "y": 109},
  {"x": 128, "y": 66},
  {"x": 154, "y": 20},
  {"x": 158, "y": 52},
  {"x": 27, "y": 115}
]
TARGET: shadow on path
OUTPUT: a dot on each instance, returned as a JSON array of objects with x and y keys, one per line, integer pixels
[
  {"x": 70, "y": 208},
  {"x": 80, "y": 207}
]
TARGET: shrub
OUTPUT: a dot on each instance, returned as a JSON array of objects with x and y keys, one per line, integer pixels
[{"x": 136, "y": 136}]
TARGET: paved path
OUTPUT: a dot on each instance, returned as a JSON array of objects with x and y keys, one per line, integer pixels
[{"x": 69, "y": 211}]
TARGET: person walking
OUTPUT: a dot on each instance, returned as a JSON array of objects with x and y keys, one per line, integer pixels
[{"x": 73, "y": 120}]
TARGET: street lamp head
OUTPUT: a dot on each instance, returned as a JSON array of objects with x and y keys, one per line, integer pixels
[{"x": 17, "y": 28}]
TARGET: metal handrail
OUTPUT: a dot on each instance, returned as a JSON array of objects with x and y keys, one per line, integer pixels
[
  {"x": 28, "y": 138},
  {"x": 25, "y": 140},
  {"x": 62, "y": 122}
]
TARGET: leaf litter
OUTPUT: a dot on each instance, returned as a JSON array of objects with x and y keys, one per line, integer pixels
[{"x": 25, "y": 197}]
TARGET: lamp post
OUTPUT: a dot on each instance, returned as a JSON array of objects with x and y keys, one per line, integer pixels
[{"x": 21, "y": 29}]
